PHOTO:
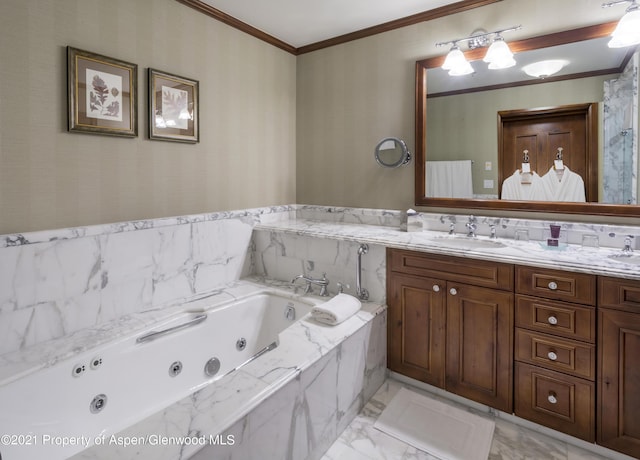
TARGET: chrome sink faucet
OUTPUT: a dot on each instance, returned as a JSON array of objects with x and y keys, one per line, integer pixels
[
  {"x": 322, "y": 282},
  {"x": 471, "y": 227},
  {"x": 628, "y": 242},
  {"x": 452, "y": 225}
]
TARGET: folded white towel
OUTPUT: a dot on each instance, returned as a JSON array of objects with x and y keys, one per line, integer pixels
[{"x": 336, "y": 310}]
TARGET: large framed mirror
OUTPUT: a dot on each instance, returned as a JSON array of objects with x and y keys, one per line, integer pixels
[{"x": 438, "y": 104}]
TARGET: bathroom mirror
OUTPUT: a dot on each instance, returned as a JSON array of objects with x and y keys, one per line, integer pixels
[
  {"x": 540, "y": 44},
  {"x": 392, "y": 152}
]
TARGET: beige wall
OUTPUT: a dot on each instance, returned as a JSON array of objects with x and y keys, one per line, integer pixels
[
  {"x": 275, "y": 129},
  {"x": 50, "y": 178},
  {"x": 352, "y": 95}
]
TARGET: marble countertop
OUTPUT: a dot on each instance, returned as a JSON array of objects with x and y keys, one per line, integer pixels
[{"x": 571, "y": 257}]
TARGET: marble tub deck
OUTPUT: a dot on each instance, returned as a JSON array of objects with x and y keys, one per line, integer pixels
[{"x": 361, "y": 441}]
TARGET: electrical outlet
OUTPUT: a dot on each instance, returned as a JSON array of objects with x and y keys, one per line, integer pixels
[{"x": 488, "y": 183}]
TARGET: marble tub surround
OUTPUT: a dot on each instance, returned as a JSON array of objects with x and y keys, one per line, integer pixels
[
  {"x": 296, "y": 398},
  {"x": 284, "y": 255},
  {"x": 54, "y": 283},
  {"x": 307, "y": 414}
]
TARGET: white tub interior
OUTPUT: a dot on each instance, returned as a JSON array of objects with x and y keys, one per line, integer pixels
[{"x": 132, "y": 380}]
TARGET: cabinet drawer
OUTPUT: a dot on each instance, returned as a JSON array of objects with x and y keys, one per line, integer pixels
[
  {"x": 557, "y": 318},
  {"x": 556, "y": 400},
  {"x": 619, "y": 293},
  {"x": 556, "y": 284},
  {"x": 468, "y": 271},
  {"x": 569, "y": 356}
]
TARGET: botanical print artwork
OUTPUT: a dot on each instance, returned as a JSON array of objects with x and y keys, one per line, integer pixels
[
  {"x": 175, "y": 107},
  {"x": 104, "y": 95}
]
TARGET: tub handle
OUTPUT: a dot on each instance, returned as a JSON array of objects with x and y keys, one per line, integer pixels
[{"x": 156, "y": 334}]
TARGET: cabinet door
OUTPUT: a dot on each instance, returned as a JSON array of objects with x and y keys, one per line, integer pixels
[
  {"x": 619, "y": 381},
  {"x": 416, "y": 328},
  {"x": 480, "y": 345}
]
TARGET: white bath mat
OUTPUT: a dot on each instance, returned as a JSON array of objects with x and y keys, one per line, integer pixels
[{"x": 434, "y": 427}]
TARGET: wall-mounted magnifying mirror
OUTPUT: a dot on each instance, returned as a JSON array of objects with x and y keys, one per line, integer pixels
[{"x": 392, "y": 152}]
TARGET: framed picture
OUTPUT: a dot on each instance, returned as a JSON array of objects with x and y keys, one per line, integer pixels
[
  {"x": 102, "y": 94},
  {"x": 173, "y": 108}
]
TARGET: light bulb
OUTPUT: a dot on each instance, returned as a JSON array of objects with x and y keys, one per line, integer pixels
[{"x": 627, "y": 32}]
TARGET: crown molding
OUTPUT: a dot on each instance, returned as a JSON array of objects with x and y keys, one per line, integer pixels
[{"x": 429, "y": 15}]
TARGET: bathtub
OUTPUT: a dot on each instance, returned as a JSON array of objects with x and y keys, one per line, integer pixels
[{"x": 81, "y": 401}]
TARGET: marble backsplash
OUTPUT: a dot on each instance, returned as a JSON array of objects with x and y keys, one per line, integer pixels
[{"x": 54, "y": 283}]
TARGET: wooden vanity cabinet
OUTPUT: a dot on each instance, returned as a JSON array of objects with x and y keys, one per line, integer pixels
[
  {"x": 555, "y": 350},
  {"x": 619, "y": 365},
  {"x": 416, "y": 327},
  {"x": 450, "y": 324}
]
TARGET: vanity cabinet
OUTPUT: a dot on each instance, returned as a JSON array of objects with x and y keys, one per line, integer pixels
[
  {"x": 555, "y": 350},
  {"x": 538, "y": 342},
  {"x": 451, "y": 324},
  {"x": 619, "y": 365}
]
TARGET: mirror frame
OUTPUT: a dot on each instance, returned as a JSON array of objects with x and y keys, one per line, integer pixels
[{"x": 560, "y": 38}]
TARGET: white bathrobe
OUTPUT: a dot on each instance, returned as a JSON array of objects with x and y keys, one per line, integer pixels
[
  {"x": 567, "y": 186},
  {"x": 514, "y": 189}
]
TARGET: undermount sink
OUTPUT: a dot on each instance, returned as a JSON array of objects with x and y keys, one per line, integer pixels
[
  {"x": 632, "y": 259},
  {"x": 466, "y": 242}
]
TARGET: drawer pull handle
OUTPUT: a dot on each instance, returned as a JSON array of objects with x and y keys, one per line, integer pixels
[
  {"x": 453, "y": 291},
  {"x": 436, "y": 288},
  {"x": 552, "y": 398},
  {"x": 552, "y": 320},
  {"x": 553, "y": 285},
  {"x": 552, "y": 355}
]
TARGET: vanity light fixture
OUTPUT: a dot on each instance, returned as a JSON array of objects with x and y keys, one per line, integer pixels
[
  {"x": 498, "y": 56},
  {"x": 627, "y": 32},
  {"x": 456, "y": 63},
  {"x": 544, "y": 69}
]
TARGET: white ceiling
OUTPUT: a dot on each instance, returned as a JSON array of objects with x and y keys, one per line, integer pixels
[{"x": 302, "y": 22}]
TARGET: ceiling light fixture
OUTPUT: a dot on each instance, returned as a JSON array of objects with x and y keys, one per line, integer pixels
[
  {"x": 498, "y": 56},
  {"x": 544, "y": 69},
  {"x": 627, "y": 32}
]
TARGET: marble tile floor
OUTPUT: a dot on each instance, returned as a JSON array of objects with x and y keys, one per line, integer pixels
[{"x": 361, "y": 441}]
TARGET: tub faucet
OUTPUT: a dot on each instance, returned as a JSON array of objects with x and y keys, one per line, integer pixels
[
  {"x": 322, "y": 282},
  {"x": 471, "y": 227}
]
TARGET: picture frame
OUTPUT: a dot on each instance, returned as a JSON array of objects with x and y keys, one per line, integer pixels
[
  {"x": 102, "y": 94},
  {"x": 173, "y": 107}
]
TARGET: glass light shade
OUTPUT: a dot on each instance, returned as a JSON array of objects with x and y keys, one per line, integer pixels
[
  {"x": 627, "y": 32},
  {"x": 544, "y": 69},
  {"x": 462, "y": 68},
  {"x": 499, "y": 56},
  {"x": 453, "y": 59}
]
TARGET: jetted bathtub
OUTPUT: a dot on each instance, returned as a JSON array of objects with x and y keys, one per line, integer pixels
[{"x": 82, "y": 401}]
